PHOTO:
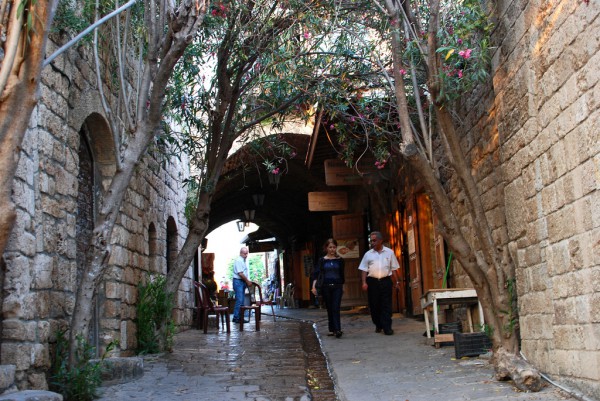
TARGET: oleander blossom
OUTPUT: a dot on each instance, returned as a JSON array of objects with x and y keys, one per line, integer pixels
[
  {"x": 465, "y": 53},
  {"x": 380, "y": 165}
]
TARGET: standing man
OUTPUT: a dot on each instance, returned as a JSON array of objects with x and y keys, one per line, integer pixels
[
  {"x": 379, "y": 274},
  {"x": 240, "y": 282}
]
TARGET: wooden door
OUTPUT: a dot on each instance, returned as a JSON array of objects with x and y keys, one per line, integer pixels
[
  {"x": 426, "y": 247},
  {"x": 412, "y": 240},
  {"x": 347, "y": 228},
  {"x": 394, "y": 236}
]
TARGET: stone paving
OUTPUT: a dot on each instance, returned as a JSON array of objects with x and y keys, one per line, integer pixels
[
  {"x": 286, "y": 361},
  {"x": 279, "y": 362}
]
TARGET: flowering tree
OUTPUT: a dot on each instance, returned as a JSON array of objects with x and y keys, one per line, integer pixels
[
  {"x": 254, "y": 67},
  {"x": 165, "y": 29},
  {"x": 419, "y": 57}
]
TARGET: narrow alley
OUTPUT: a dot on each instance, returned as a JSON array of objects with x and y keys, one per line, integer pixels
[{"x": 283, "y": 361}]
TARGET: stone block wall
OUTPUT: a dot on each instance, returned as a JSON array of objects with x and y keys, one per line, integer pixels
[
  {"x": 41, "y": 265},
  {"x": 537, "y": 125}
]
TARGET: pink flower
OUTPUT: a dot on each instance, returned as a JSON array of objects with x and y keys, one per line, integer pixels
[
  {"x": 459, "y": 41},
  {"x": 459, "y": 73},
  {"x": 402, "y": 71},
  {"x": 465, "y": 53},
  {"x": 331, "y": 126},
  {"x": 306, "y": 35},
  {"x": 275, "y": 171},
  {"x": 380, "y": 165}
]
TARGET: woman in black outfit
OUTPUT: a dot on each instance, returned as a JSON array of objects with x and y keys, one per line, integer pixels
[{"x": 331, "y": 267}]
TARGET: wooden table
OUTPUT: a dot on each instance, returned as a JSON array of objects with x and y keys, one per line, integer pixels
[{"x": 449, "y": 296}]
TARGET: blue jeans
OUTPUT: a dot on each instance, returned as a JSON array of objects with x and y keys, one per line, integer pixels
[{"x": 239, "y": 287}]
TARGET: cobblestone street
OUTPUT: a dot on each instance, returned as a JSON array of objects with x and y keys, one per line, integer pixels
[
  {"x": 271, "y": 364},
  {"x": 286, "y": 360}
]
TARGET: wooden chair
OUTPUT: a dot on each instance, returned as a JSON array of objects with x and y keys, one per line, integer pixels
[
  {"x": 206, "y": 307},
  {"x": 263, "y": 302},
  {"x": 254, "y": 306}
]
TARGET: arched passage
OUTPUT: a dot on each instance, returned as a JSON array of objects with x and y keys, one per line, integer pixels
[{"x": 96, "y": 160}]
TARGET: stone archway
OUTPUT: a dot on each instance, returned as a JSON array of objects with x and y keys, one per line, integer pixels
[{"x": 96, "y": 161}]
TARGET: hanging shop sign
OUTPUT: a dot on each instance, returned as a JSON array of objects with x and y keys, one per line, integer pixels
[
  {"x": 327, "y": 201},
  {"x": 337, "y": 173}
]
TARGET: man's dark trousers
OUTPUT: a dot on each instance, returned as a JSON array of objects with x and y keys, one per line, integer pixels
[{"x": 380, "y": 302}]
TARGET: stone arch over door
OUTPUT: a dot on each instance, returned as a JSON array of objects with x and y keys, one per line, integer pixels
[{"x": 96, "y": 163}]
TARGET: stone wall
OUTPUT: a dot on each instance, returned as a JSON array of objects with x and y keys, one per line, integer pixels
[
  {"x": 534, "y": 145},
  {"x": 41, "y": 259}
]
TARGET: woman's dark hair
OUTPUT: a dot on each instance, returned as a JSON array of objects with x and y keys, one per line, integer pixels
[{"x": 329, "y": 241}]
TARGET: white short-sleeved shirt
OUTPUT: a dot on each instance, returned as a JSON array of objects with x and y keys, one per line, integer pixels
[
  {"x": 240, "y": 266},
  {"x": 379, "y": 264}
]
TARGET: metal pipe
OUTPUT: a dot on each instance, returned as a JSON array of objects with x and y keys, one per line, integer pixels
[
  {"x": 88, "y": 30},
  {"x": 569, "y": 391}
]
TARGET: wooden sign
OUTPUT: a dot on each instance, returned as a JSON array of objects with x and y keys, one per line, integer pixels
[
  {"x": 337, "y": 173},
  {"x": 327, "y": 201}
]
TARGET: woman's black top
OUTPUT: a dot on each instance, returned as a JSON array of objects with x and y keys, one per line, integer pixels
[{"x": 333, "y": 270}]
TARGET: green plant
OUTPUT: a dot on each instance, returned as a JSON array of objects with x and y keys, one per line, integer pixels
[
  {"x": 155, "y": 327},
  {"x": 80, "y": 381},
  {"x": 513, "y": 312},
  {"x": 256, "y": 268}
]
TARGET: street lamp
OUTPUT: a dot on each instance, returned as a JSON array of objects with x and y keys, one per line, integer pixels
[{"x": 240, "y": 225}]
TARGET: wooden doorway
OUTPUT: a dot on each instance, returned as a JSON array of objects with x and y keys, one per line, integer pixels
[
  {"x": 393, "y": 227},
  {"x": 349, "y": 229},
  {"x": 425, "y": 251}
]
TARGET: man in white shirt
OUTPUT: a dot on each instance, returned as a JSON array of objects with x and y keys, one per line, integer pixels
[
  {"x": 379, "y": 275},
  {"x": 241, "y": 280}
]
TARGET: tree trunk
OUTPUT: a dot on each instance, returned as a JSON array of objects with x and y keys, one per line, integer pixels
[
  {"x": 161, "y": 58},
  {"x": 100, "y": 247},
  {"x": 20, "y": 81},
  {"x": 487, "y": 267}
]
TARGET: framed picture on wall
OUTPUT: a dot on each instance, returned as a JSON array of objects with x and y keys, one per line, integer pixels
[{"x": 348, "y": 248}]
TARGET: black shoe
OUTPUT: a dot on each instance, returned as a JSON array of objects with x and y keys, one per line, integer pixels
[
  {"x": 388, "y": 332},
  {"x": 338, "y": 334},
  {"x": 234, "y": 320},
  {"x": 378, "y": 330}
]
